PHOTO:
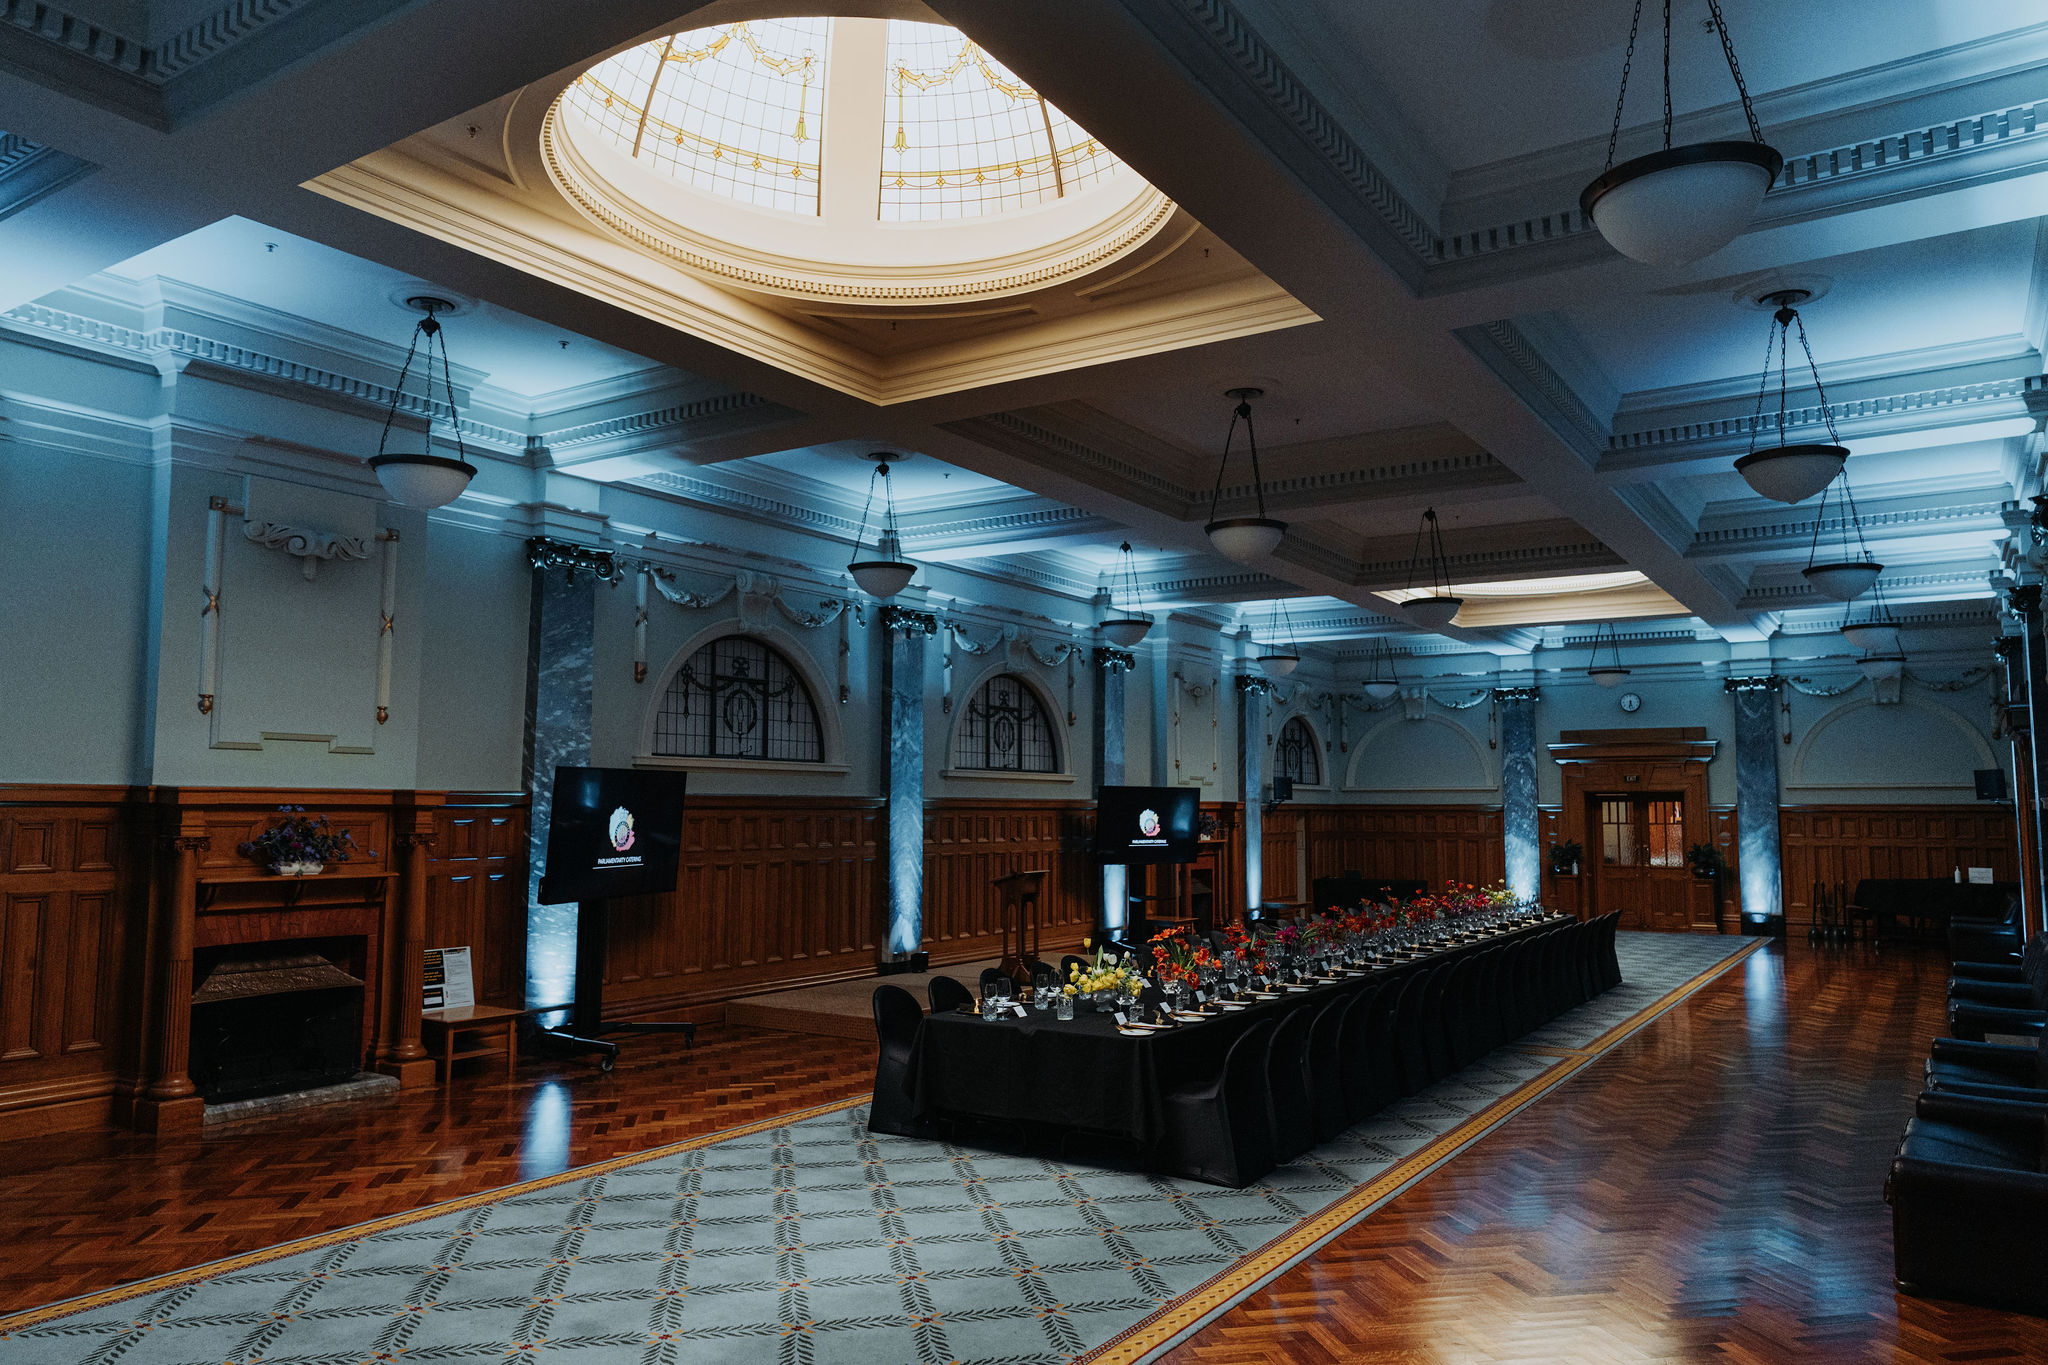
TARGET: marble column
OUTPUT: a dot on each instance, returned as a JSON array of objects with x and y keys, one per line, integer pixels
[
  {"x": 1756, "y": 796},
  {"x": 2024, "y": 602},
  {"x": 1518, "y": 814},
  {"x": 1251, "y": 782},
  {"x": 560, "y": 658},
  {"x": 1111, "y": 664},
  {"x": 903, "y": 773}
]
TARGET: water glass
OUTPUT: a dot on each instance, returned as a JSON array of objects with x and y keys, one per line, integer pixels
[{"x": 1063, "y": 1005}]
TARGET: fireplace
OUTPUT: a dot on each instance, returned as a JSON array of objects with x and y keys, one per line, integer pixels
[{"x": 274, "y": 1018}]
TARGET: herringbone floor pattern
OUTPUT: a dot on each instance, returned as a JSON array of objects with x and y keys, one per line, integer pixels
[{"x": 1709, "y": 1190}]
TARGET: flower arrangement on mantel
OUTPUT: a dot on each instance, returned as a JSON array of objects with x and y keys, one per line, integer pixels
[{"x": 299, "y": 845}]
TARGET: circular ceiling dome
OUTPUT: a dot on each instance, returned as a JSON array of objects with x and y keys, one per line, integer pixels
[{"x": 873, "y": 160}]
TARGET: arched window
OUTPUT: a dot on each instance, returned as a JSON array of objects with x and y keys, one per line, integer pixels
[
  {"x": 737, "y": 698},
  {"x": 1295, "y": 754},
  {"x": 1005, "y": 730}
]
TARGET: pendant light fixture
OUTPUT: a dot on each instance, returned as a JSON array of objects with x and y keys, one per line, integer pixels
[
  {"x": 1880, "y": 633},
  {"x": 888, "y": 572},
  {"x": 1849, "y": 577},
  {"x": 1129, "y": 623},
  {"x": 1284, "y": 655},
  {"x": 1607, "y": 674},
  {"x": 1882, "y": 667},
  {"x": 1243, "y": 539},
  {"x": 1680, "y": 204},
  {"x": 1436, "y": 610},
  {"x": 1381, "y": 680},
  {"x": 424, "y": 479},
  {"x": 1790, "y": 473}
]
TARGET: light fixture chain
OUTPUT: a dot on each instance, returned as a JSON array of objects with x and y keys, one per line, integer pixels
[
  {"x": 448, "y": 388},
  {"x": 398, "y": 392},
  {"x": 1223, "y": 466},
  {"x": 1627, "y": 61},
  {"x": 1827, "y": 414},
  {"x": 1251, "y": 438},
  {"x": 1756, "y": 131},
  {"x": 1667, "y": 74},
  {"x": 861, "y": 537},
  {"x": 1763, "y": 387}
]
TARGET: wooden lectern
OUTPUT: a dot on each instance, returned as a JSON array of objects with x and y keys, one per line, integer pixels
[{"x": 1020, "y": 923}]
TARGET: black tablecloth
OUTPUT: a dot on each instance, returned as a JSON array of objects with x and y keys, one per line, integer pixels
[{"x": 1081, "y": 1073}]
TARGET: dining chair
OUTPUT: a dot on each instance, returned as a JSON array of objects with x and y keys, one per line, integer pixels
[
  {"x": 1218, "y": 1128},
  {"x": 1436, "y": 1021},
  {"x": 948, "y": 993},
  {"x": 1293, "y": 1115},
  {"x": 897, "y": 1019},
  {"x": 1355, "y": 1054},
  {"x": 1325, "y": 1066},
  {"x": 1409, "y": 1045}
]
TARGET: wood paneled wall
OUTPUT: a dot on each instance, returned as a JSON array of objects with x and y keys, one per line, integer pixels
[
  {"x": 1847, "y": 843},
  {"x": 71, "y": 926},
  {"x": 1429, "y": 843},
  {"x": 476, "y": 889},
  {"x": 1280, "y": 854},
  {"x": 770, "y": 890},
  {"x": 969, "y": 843}
]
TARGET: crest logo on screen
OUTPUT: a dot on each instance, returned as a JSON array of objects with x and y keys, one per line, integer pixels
[
  {"x": 620, "y": 829},
  {"x": 1148, "y": 823}
]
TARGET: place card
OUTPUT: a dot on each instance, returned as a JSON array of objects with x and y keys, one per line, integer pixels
[
  {"x": 1018, "y": 1010},
  {"x": 1198, "y": 995},
  {"x": 1120, "y": 1019}
]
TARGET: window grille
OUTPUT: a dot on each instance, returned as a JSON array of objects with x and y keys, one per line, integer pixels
[
  {"x": 737, "y": 698},
  {"x": 1296, "y": 755},
  {"x": 1005, "y": 730}
]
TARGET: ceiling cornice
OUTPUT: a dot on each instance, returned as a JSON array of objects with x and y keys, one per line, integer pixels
[{"x": 29, "y": 171}]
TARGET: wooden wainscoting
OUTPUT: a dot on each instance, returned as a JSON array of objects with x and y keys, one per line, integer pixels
[
  {"x": 969, "y": 843},
  {"x": 71, "y": 931},
  {"x": 771, "y": 891},
  {"x": 476, "y": 889},
  {"x": 1847, "y": 843},
  {"x": 1427, "y": 843},
  {"x": 1280, "y": 847}
]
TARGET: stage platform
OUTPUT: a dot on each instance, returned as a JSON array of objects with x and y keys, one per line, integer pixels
[{"x": 841, "y": 1009}]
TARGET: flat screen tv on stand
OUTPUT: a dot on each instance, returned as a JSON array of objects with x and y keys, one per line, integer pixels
[
  {"x": 1137, "y": 826},
  {"x": 611, "y": 832}
]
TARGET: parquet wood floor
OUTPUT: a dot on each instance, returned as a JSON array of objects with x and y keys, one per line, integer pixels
[{"x": 1708, "y": 1190}]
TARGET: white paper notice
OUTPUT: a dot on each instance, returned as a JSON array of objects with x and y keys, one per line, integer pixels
[
  {"x": 1980, "y": 876},
  {"x": 448, "y": 984}
]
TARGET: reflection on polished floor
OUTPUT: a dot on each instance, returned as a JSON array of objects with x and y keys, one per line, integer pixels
[{"x": 1710, "y": 1189}]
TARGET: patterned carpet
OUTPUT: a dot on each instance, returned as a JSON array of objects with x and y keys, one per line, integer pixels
[{"x": 808, "y": 1242}]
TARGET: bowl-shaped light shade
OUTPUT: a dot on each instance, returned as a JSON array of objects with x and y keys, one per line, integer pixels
[
  {"x": 1279, "y": 665},
  {"x": 1681, "y": 204},
  {"x": 1882, "y": 667},
  {"x": 1125, "y": 631},
  {"x": 1432, "y": 613},
  {"x": 1607, "y": 675},
  {"x": 1245, "y": 538},
  {"x": 422, "y": 480},
  {"x": 1875, "y": 636},
  {"x": 1791, "y": 473},
  {"x": 882, "y": 577},
  {"x": 1379, "y": 689},
  {"x": 1845, "y": 582}
]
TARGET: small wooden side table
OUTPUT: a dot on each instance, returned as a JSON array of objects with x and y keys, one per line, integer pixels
[{"x": 455, "y": 1035}]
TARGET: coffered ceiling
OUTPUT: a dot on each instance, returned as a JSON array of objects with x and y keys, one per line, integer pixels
[{"x": 1374, "y": 218}]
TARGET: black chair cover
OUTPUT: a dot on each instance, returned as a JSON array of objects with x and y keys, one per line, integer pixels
[
  {"x": 1220, "y": 1128},
  {"x": 1354, "y": 1054},
  {"x": 1325, "y": 1067},
  {"x": 948, "y": 993},
  {"x": 1293, "y": 1114},
  {"x": 896, "y": 1022},
  {"x": 1409, "y": 1046}
]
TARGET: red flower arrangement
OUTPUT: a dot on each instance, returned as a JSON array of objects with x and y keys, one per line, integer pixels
[{"x": 1180, "y": 959}]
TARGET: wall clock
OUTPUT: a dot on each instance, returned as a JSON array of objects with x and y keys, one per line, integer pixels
[{"x": 1631, "y": 702}]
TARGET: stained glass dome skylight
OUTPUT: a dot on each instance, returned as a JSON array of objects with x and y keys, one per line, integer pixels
[{"x": 888, "y": 160}]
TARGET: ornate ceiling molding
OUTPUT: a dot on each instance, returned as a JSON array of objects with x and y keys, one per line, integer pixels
[
  {"x": 1225, "y": 52},
  {"x": 1946, "y": 404},
  {"x": 29, "y": 171},
  {"x": 1505, "y": 350},
  {"x": 1792, "y": 528}
]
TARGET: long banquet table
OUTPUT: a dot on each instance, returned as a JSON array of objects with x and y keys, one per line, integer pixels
[{"x": 1082, "y": 1074}]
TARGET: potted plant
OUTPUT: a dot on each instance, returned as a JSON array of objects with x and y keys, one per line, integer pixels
[
  {"x": 1706, "y": 860},
  {"x": 299, "y": 845},
  {"x": 1564, "y": 858}
]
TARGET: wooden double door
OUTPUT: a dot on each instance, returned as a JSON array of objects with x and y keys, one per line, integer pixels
[{"x": 1638, "y": 858}]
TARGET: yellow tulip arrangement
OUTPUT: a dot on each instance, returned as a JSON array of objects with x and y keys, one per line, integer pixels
[{"x": 1106, "y": 975}]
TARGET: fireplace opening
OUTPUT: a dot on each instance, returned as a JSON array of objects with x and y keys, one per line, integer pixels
[{"x": 273, "y": 1019}]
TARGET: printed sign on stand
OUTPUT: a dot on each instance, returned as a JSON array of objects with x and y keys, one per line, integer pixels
[{"x": 448, "y": 983}]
